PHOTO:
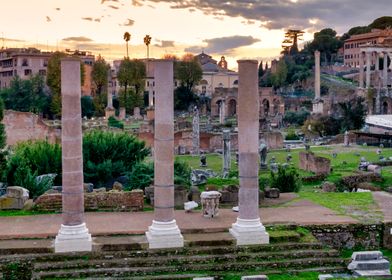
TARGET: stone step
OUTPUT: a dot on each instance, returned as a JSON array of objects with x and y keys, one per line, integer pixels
[
  {"x": 380, "y": 264},
  {"x": 367, "y": 256},
  {"x": 213, "y": 267},
  {"x": 373, "y": 273},
  {"x": 182, "y": 260}
]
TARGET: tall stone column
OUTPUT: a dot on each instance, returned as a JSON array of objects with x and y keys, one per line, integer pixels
[
  {"x": 226, "y": 152},
  {"x": 361, "y": 70},
  {"x": 368, "y": 65},
  {"x": 317, "y": 86},
  {"x": 150, "y": 95},
  {"x": 196, "y": 132},
  {"x": 385, "y": 70},
  {"x": 73, "y": 234},
  {"x": 109, "y": 110},
  {"x": 164, "y": 232},
  {"x": 248, "y": 229},
  {"x": 377, "y": 66},
  {"x": 222, "y": 111}
]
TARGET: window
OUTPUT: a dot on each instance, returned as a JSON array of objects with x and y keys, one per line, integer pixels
[
  {"x": 25, "y": 62},
  {"x": 42, "y": 72},
  {"x": 45, "y": 64},
  {"x": 27, "y": 72}
]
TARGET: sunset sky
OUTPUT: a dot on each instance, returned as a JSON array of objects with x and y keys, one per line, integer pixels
[{"x": 236, "y": 29}]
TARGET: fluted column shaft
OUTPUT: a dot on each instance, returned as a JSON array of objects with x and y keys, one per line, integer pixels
[{"x": 317, "y": 84}]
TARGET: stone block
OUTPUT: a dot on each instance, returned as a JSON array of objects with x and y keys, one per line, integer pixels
[
  {"x": 15, "y": 198},
  {"x": 229, "y": 195},
  {"x": 180, "y": 195},
  {"x": 210, "y": 203},
  {"x": 367, "y": 256},
  {"x": 373, "y": 273},
  {"x": 194, "y": 194},
  {"x": 117, "y": 186},
  {"x": 17, "y": 192},
  {"x": 255, "y": 277},
  {"x": 374, "y": 168},
  {"x": 325, "y": 276},
  {"x": 328, "y": 187},
  {"x": 88, "y": 187},
  {"x": 190, "y": 205},
  {"x": 272, "y": 193},
  {"x": 380, "y": 264}
]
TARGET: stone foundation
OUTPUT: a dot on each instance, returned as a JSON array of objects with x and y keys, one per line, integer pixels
[
  {"x": 107, "y": 201},
  {"x": 310, "y": 162}
]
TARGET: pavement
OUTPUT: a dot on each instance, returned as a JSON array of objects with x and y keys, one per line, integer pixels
[
  {"x": 384, "y": 201},
  {"x": 114, "y": 223}
]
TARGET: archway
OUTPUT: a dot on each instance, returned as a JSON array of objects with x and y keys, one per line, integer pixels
[
  {"x": 265, "y": 108},
  {"x": 384, "y": 109},
  {"x": 232, "y": 107}
]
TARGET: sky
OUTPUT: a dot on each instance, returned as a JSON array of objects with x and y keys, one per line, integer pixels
[{"x": 237, "y": 29}]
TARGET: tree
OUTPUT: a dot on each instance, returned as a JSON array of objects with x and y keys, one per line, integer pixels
[
  {"x": 130, "y": 99},
  {"x": 279, "y": 78},
  {"x": 353, "y": 114},
  {"x": 291, "y": 37},
  {"x": 327, "y": 43},
  {"x": 99, "y": 74},
  {"x": 183, "y": 99},
  {"x": 381, "y": 23},
  {"x": 132, "y": 73},
  {"x": 127, "y": 38},
  {"x": 261, "y": 70},
  {"x": 53, "y": 80},
  {"x": 27, "y": 95},
  {"x": 87, "y": 105},
  {"x": 188, "y": 71}
]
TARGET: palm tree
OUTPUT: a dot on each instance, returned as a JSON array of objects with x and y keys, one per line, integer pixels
[
  {"x": 147, "y": 41},
  {"x": 127, "y": 37}
]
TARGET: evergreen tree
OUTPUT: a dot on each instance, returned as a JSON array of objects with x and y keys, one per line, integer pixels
[{"x": 261, "y": 70}]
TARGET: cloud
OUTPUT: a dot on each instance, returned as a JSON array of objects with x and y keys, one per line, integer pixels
[
  {"x": 129, "y": 22},
  {"x": 165, "y": 44},
  {"x": 12, "y": 40},
  {"x": 103, "y": 1},
  {"x": 224, "y": 44},
  {"x": 87, "y": 18},
  {"x": 113, "y": 7},
  {"x": 77, "y": 39},
  {"x": 48, "y": 19},
  {"x": 58, "y": 9},
  {"x": 137, "y": 3},
  {"x": 278, "y": 14}
]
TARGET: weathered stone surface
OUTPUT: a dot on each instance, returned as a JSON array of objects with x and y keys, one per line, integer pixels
[
  {"x": 194, "y": 194},
  {"x": 353, "y": 181},
  {"x": 310, "y": 162},
  {"x": 149, "y": 193},
  {"x": 88, "y": 187},
  {"x": 229, "y": 195},
  {"x": 328, "y": 187},
  {"x": 111, "y": 201},
  {"x": 255, "y": 277},
  {"x": 272, "y": 193},
  {"x": 190, "y": 205},
  {"x": 117, "y": 186},
  {"x": 180, "y": 195},
  {"x": 200, "y": 176},
  {"x": 15, "y": 198},
  {"x": 369, "y": 263},
  {"x": 374, "y": 168},
  {"x": 210, "y": 203}
]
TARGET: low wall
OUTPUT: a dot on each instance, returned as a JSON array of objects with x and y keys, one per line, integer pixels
[
  {"x": 351, "y": 236},
  {"x": 108, "y": 201},
  {"x": 310, "y": 162}
]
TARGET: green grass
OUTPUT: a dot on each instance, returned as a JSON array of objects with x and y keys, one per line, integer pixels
[
  {"x": 214, "y": 162},
  {"x": 14, "y": 213}
]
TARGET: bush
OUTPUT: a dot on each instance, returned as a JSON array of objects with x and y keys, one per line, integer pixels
[
  {"x": 108, "y": 155},
  {"x": 88, "y": 107},
  {"x": 286, "y": 180},
  {"x": 142, "y": 175},
  {"x": 291, "y": 135},
  {"x": 113, "y": 122},
  {"x": 31, "y": 159}
]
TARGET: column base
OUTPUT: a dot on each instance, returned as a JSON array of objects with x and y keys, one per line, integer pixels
[
  {"x": 249, "y": 232},
  {"x": 164, "y": 235},
  {"x": 73, "y": 239}
]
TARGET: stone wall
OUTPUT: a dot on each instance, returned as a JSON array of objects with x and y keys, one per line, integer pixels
[
  {"x": 274, "y": 140},
  {"x": 310, "y": 162},
  {"x": 387, "y": 236},
  {"x": 23, "y": 126},
  {"x": 352, "y": 236},
  {"x": 108, "y": 201}
]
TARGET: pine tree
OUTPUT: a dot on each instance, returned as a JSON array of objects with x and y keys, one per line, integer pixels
[{"x": 261, "y": 70}]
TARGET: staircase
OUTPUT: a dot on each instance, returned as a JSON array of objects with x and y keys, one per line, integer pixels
[{"x": 212, "y": 254}]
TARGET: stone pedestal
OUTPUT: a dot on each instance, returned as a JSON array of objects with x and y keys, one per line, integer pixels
[
  {"x": 164, "y": 232},
  {"x": 248, "y": 229},
  {"x": 109, "y": 112},
  {"x": 150, "y": 114},
  {"x": 210, "y": 203},
  {"x": 318, "y": 107},
  {"x": 73, "y": 235},
  {"x": 122, "y": 113},
  {"x": 346, "y": 139}
]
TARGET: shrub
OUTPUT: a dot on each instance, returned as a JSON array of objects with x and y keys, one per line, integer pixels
[
  {"x": 113, "y": 122},
  {"x": 108, "y": 155},
  {"x": 30, "y": 159},
  {"x": 291, "y": 135},
  {"x": 142, "y": 175},
  {"x": 286, "y": 180}
]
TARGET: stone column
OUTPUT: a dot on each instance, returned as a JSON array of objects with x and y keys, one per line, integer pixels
[
  {"x": 385, "y": 70},
  {"x": 164, "y": 232},
  {"x": 196, "y": 132},
  {"x": 317, "y": 86},
  {"x": 368, "y": 65},
  {"x": 248, "y": 229},
  {"x": 346, "y": 139},
  {"x": 361, "y": 70},
  {"x": 222, "y": 111},
  {"x": 150, "y": 95},
  {"x": 377, "y": 67},
  {"x": 378, "y": 102},
  {"x": 73, "y": 234},
  {"x": 226, "y": 152}
]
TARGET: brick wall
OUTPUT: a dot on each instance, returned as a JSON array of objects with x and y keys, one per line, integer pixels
[
  {"x": 310, "y": 162},
  {"x": 109, "y": 201}
]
